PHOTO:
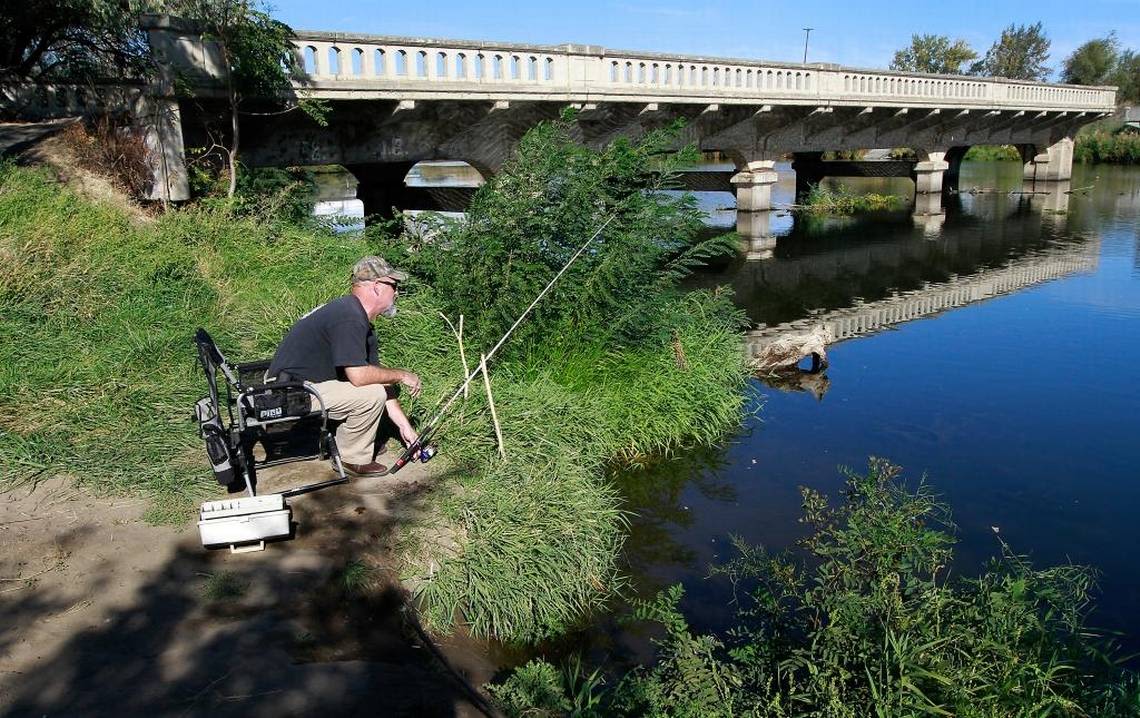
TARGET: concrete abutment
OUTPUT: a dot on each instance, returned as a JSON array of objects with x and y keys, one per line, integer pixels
[{"x": 1054, "y": 164}]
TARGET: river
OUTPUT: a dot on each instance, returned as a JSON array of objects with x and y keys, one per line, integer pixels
[{"x": 1021, "y": 407}]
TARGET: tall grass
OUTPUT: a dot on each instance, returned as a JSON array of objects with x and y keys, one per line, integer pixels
[
  {"x": 615, "y": 362},
  {"x": 97, "y": 311},
  {"x": 540, "y": 532}
]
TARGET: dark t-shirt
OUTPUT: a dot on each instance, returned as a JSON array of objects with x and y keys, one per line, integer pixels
[{"x": 325, "y": 341}]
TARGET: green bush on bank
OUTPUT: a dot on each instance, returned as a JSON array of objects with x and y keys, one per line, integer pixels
[
  {"x": 1102, "y": 146},
  {"x": 871, "y": 623}
]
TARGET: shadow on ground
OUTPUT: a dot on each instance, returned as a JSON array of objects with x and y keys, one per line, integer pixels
[{"x": 312, "y": 625}]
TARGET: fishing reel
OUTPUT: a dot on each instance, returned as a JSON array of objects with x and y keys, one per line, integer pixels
[{"x": 418, "y": 451}]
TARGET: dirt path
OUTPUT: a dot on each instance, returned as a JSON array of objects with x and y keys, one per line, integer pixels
[{"x": 101, "y": 614}]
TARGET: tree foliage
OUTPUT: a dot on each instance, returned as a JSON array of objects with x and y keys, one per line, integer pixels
[
  {"x": 257, "y": 51},
  {"x": 1019, "y": 54},
  {"x": 1126, "y": 77},
  {"x": 70, "y": 40},
  {"x": 1093, "y": 62},
  {"x": 527, "y": 222},
  {"x": 935, "y": 54}
]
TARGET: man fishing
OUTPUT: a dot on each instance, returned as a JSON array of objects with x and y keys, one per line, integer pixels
[{"x": 334, "y": 348}]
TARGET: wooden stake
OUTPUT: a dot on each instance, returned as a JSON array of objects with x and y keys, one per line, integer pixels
[{"x": 491, "y": 401}]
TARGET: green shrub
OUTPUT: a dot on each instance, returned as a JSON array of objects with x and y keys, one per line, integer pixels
[
  {"x": 286, "y": 194},
  {"x": 1102, "y": 146},
  {"x": 563, "y": 418},
  {"x": 527, "y": 221},
  {"x": 822, "y": 199},
  {"x": 869, "y": 622}
]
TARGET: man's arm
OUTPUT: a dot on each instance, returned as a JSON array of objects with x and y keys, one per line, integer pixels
[{"x": 368, "y": 374}]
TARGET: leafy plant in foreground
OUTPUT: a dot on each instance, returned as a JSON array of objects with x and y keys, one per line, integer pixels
[{"x": 869, "y": 624}]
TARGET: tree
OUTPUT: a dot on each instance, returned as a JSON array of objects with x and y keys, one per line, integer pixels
[
  {"x": 1019, "y": 54},
  {"x": 1093, "y": 62},
  {"x": 1126, "y": 76},
  {"x": 933, "y": 53},
  {"x": 70, "y": 40},
  {"x": 258, "y": 54}
]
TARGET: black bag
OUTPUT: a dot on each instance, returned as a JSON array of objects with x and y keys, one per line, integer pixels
[
  {"x": 280, "y": 403},
  {"x": 217, "y": 444}
]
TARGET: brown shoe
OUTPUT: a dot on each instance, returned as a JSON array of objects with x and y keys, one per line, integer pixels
[{"x": 373, "y": 469}]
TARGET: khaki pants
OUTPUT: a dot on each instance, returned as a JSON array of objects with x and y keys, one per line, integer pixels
[{"x": 360, "y": 408}]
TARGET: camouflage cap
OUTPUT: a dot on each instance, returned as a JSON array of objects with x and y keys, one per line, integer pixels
[{"x": 374, "y": 267}]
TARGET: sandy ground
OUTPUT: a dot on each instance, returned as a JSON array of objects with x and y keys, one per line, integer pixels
[{"x": 101, "y": 614}]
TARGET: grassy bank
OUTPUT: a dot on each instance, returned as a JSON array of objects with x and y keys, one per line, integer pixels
[
  {"x": 865, "y": 621},
  {"x": 616, "y": 362},
  {"x": 97, "y": 310}
]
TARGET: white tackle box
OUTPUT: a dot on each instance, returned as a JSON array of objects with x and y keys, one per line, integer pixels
[{"x": 244, "y": 524}]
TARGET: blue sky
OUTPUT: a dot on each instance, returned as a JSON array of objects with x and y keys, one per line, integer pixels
[{"x": 863, "y": 34}]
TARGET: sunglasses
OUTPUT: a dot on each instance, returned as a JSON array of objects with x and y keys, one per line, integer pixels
[{"x": 394, "y": 285}]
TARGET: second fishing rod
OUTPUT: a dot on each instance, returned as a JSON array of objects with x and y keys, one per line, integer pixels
[{"x": 417, "y": 448}]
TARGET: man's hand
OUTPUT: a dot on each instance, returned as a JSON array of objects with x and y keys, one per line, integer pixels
[
  {"x": 369, "y": 374},
  {"x": 412, "y": 381}
]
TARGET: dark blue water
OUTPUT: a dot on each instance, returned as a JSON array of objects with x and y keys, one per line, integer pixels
[{"x": 1022, "y": 410}]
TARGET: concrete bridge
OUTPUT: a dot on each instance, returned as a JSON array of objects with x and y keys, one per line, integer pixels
[{"x": 397, "y": 101}]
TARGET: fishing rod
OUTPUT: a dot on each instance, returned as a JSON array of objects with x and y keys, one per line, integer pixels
[{"x": 420, "y": 445}]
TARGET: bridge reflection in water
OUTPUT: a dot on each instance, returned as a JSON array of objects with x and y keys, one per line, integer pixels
[{"x": 857, "y": 276}]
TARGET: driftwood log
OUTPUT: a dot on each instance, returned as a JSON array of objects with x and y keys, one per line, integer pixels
[{"x": 788, "y": 351}]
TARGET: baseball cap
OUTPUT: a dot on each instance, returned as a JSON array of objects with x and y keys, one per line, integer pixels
[{"x": 374, "y": 267}]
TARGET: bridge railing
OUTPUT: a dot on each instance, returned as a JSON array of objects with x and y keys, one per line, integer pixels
[{"x": 333, "y": 62}]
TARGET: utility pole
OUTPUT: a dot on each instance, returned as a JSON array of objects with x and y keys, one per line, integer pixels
[{"x": 807, "y": 34}]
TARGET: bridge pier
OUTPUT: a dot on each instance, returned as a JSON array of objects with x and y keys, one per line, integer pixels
[
  {"x": 161, "y": 121},
  {"x": 928, "y": 213},
  {"x": 754, "y": 186},
  {"x": 929, "y": 173},
  {"x": 1055, "y": 164},
  {"x": 809, "y": 170},
  {"x": 953, "y": 158},
  {"x": 755, "y": 230}
]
